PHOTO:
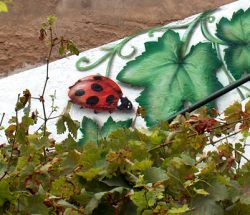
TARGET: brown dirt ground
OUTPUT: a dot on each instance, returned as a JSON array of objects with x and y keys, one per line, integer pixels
[{"x": 89, "y": 23}]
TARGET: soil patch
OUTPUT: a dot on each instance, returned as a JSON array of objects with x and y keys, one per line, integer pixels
[{"x": 89, "y": 23}]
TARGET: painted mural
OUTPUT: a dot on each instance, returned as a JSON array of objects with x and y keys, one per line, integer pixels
[{"x": 173, "y": 72}]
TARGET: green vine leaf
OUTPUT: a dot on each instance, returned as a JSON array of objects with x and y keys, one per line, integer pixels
[
  {"x": 95, "y": 201},
  {"x": 206, "y": 206},
  {"x": 153, "y": 175},
  {"x": 236, "y": 32},
  {"x": 34, "y": 205},
  {"x": 5, "y": 194},
  {"x": 61, "y": 188},
  {"x": 92, "y": 133},
  {"x": 169, "y": 79},
  {"x": 110, "y": 125},
  {"x": 72, "y": 125}
]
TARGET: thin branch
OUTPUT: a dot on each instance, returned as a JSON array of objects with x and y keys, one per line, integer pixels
[
  {"x": 134, "y": 120},
  {"x": 46, "y": 82},
  {"x": 48, "y": 60},
  {"x": 231, "y": 123},
  {"x": 194, "y": 134},
  {"x": 54, "y": 117},
  {"x": 2, "y": 177},
  {"x": 1, "y": 122},
  {"x": 40, "y": 117},
  {"x": 238, "y": 152},
  {"x": 13, "y": 142},
  {"x": 36, "y": 98}
]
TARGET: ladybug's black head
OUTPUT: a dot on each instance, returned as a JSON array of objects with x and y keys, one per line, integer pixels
[{"x": 125, "y": 104}]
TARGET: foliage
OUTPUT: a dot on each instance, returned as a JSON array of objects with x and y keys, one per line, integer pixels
[{"x": 163, "y": 170}]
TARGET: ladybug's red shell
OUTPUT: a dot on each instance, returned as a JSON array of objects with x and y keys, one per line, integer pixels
[{"x": 96, "y": 92}]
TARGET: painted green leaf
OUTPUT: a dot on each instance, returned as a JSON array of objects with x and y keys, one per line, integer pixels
[
  {"x": 169, "y": 79},
  {"x": 92, "y": 133},
  {"x": 111, "y": 126},
  {"x": 89, "y": 129},
  {"x": 236, "y": 32}
]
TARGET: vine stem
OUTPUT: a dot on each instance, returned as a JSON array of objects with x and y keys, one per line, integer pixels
[
  {"x": 188, "y": 34},
  {"x": 192, "y": 135},
  {"x": 235, "y": 150},
  {"x": 42, "y": 99},
  {"x": 216, "y": 42},
  {"x": 13, "y": 142},
  {"x": 208, "y": 35},
  {"x": 117, "y": 48},
  {"x": 1, "y": 122},
  {"x": 46, "y": 82},
  {"x": 110, "y": 63}
]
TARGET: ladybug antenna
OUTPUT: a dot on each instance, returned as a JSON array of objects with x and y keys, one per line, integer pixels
[{"x": 125, "y": 104}]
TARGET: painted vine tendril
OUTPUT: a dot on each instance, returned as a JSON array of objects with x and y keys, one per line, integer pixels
[{"x": 117, "y": 49}]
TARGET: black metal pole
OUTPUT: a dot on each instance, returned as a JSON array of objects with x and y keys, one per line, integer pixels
[{"x": 212, "y": 97}]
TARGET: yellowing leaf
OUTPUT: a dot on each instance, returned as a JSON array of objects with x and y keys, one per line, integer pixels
[
  {"x": 142, "y": 165},
  {"x": 62, "y": 188},
  {"x": 90, "y": 174},
  {"x": 3, "y": 7},
  {"x": 201, "y": 192},
  {"x": 180, "y": 210},
  {"x": 233, "y": 112},
  {"x": 51, "y": 19}
]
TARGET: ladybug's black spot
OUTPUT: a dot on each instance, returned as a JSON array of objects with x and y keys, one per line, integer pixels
[
  {"x": 97, "y": 87},
  {"x": 79, "y": 93},
  {"x": 92, "y": 100},
  {"x": 110, "y": 99},
  {"x": 97, "y": 77}
]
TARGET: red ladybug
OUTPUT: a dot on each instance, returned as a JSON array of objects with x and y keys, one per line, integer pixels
[{"x": 98, "y": 93}]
